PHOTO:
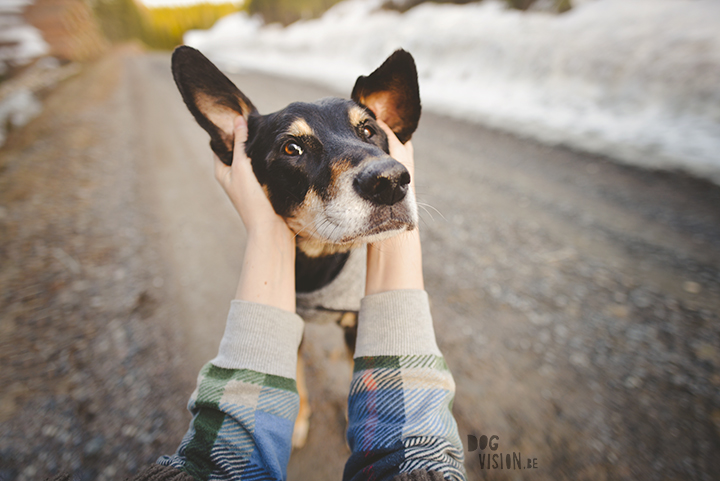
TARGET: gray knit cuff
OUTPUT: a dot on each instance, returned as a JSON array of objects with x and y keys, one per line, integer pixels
[
  {"x": 261, "y": 338},
  {"x": 396, "y": 323}
]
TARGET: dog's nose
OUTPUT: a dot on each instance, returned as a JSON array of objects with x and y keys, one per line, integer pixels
[{"x": 383, "y": 182}]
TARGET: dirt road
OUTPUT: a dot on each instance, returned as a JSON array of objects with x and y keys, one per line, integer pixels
[{"x": 577, "y": 301}]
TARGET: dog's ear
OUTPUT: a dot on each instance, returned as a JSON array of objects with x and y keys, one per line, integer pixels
[
  {"x": 212, "y": 98},
  {"x": 392, "y": 93}
]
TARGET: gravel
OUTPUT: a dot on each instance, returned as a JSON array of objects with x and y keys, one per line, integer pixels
[{"x": 90, "y": 379}]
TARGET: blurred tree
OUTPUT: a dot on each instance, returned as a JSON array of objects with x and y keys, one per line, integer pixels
[
  {"x": 69, "y": 28},
  {"x": 122, "y": 20},
  {"x": 405, "y": 5},
  {"x": 520, "y": 4},
  {"x": 164, "y": 27},
  {"x": 559, "y": 6},
  {"x": 288, "y": 11},
  {"x": 563, "y": 6}
]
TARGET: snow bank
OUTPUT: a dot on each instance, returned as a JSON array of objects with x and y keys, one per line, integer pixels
[
  {"x": 638, "y": 80},
  {"x": 17, "y": 110},
  {"x": 20, "y": 43}
]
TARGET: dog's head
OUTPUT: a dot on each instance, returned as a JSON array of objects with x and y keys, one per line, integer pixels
[{"x": 324, "y": 165}]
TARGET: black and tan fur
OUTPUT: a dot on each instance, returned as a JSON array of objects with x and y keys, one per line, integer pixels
[{"x": 324, "y": 165}]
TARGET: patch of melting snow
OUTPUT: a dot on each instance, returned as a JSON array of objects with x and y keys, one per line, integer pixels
[{"x": 633, "y": 79}]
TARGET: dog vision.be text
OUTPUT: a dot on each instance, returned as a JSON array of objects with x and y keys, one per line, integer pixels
[{"x": 495, "y": 460}]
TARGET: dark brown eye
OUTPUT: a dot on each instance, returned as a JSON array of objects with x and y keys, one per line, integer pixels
[
  {"x": 367, "y": 132},
  {"x": 291, "y": 148}
]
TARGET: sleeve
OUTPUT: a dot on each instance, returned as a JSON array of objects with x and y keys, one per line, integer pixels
[
  {"x": 246, "y": 401},
  {"x": 400, "y": 402}
]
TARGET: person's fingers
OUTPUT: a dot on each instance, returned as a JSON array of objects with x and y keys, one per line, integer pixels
[
  {"x": 392, "y": 138},
  {"x": 240, "y": 131},
  {"x": 241, "y": 162},
  {"x": 403, "y": 153},
  {"x": 243, "y": 177},
  {"x": 393, "y": 143},
  {"x": 410, "y": 149}
]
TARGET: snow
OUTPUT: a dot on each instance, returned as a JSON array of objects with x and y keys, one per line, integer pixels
[
  {"x": 25, "y": 43},
  {"x": 17, "y": 110},
  {"x": 20, "y": 43},
  {"x": 638, "y": 80}
]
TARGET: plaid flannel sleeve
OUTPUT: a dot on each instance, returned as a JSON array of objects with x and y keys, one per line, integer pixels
[
  {"x": 400, "y": 402},
  {"x": 246, "y": 401}
]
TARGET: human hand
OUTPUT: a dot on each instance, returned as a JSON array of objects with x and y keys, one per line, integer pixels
[
  {"x": 242, "y": 187},
  {"x": 396, "y": 263},
  {"x": 268, "y": 272},
  {"x": 403, "y": 153}
]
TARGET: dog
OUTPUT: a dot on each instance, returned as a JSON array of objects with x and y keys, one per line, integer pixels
[{"x": 326, "y": 169}]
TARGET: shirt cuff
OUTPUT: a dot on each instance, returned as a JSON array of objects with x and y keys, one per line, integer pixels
[
  {"x": 261, "y": 338},
  {"x": 396, "y": 323}
]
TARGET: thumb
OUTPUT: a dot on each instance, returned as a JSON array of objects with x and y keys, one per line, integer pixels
[{"x": 240, "y": 130}]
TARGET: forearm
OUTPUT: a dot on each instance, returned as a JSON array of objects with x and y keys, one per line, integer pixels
[
  {"x": 401, "y": 394},
  {"x": 246, "y": 401},
  {"x": 395, "y": 263},
  {"x": 268, "y": 271}
]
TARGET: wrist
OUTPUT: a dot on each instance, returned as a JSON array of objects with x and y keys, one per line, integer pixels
[
  {"x": 395, "y": 264},
  {"x": 272, "y": 232},
  {"x": 268, "y": 272}
]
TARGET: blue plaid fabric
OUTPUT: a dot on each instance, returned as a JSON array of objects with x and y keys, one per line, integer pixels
[
  {"x": 399, "y": 420},
  {"x": 241, "y": 428}
]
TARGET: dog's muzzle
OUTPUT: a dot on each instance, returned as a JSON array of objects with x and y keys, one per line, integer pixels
[{"x": 383, "y": 182}]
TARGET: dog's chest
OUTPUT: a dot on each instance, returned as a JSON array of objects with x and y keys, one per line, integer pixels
[{"x": 342, "y": 294}]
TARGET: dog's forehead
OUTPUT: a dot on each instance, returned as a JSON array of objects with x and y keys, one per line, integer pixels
[{"x": 324, "y": 115}]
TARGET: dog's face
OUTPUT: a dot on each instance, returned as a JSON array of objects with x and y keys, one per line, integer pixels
[
  {"x": 327, "y": 172},
  {"x": 324, "y": 165}
]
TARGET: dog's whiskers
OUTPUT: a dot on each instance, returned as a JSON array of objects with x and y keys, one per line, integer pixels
[
  {"x": 425, "y": 206},
  {"x": 427, "y": 212},
  {"x": 300, "y": 232}
]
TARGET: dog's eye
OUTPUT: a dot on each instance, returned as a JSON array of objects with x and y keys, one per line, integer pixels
[
  {"x": 291, "y": 148},
  {"x": 367, "y": 132}
]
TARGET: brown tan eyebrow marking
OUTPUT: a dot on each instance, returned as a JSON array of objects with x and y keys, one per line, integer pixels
[
  {"x": 300, "y": 128},
  {"x": 357, "y": 115}
]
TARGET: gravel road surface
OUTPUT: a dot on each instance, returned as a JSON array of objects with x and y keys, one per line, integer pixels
[{"x": 577, "y": 301}]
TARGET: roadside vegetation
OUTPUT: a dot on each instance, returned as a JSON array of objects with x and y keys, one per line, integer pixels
[
  {"x": 559, "y": 6},
  {"x": 288, "y": 11},
  {"x": 163, "y": 28}
]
